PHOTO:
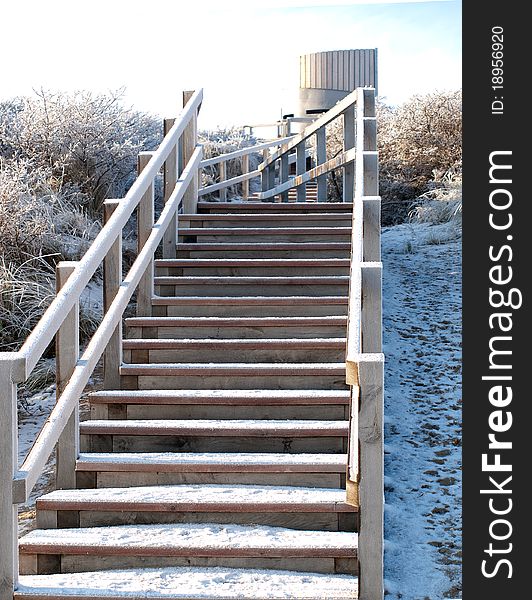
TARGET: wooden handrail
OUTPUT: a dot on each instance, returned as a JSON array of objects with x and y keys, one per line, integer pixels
[
  {"x": 35, "y": 461},
  {"x": 45, "y": 330}
]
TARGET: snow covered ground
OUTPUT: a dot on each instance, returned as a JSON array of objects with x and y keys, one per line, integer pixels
[
  {"x": 422, "y": 332},
  {"x": 422, "y": 335}
]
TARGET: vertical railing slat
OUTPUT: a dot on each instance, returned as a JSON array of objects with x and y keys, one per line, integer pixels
[
  {"x": 189, "y": 141},
  {"x": 170, "y": 174},
  {"x": 145, "y": 220},
  {"x": 284, "y": 173},
  {"x": 245, "y": 170},
  {"x": 223, "y": 176},
  {"x": 301, "y": 161},
  {"x": 66, "y": 357},
  {"x": 112, "y": 278},
  {"x": 349, "y": 142},
  {"x": 8, "y": 467},
  {"x": 321, "y": 157}
]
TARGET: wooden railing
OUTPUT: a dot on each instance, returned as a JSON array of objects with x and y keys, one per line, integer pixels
[
  {"x": 364, "y": 358},
  {"x": 179, "y": 156}
]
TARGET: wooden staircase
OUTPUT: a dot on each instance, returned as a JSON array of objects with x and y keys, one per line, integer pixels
[
  {"x": 218, "y": 469},
  {"x": 236, "y": 449}
]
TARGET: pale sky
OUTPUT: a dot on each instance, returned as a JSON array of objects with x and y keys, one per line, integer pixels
[{"x": 244, "y": 53}]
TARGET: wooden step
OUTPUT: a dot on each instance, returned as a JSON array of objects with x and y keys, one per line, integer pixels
[
  {"x": 264, "y": 267},
  {"x": 220, "y": 404},
  {"x": 244, "y": 350},
  {"x": 249, "y": 306},
  {"x": 313, "y": 250},
  {"x": 251, "y": 286},
  {"x": 237, "y": 327},
  {"x": 129, "y": 546},
  {"x": 189, "y": 583},
  {"x": 283, "y": 506},
  {"x": 265, "y": 234},
  {"x": 126, "y": 469},
  {"x": 234, "y": 375},
  {"x": 220, "y": 435},
  {"x": 261, "y": 207},
  {"x": 269, "y": 219}
]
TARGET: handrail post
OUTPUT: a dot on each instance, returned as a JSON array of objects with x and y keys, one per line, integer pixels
[
  {"x": 349, "y": 142},
  {"x": 145, "y": 219},
  {"x": 189, "y": 141},
  {"x": 66, "y": 357},
  {"x": 8, "y": 467},
  {"x": 301, "y": 160},
  {"x": 245, "y": 171},
  {"x": 284, "y": 171},
  {"x": 112, "y": 278},
  {"x": 223, "y": 177},
  {"x": 321, "y": 157},
  {"x": 170, "y": 174}
]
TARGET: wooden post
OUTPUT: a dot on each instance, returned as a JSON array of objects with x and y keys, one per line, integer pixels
[
  {"x": 145, "y": 219},
  {"x": 189, "y": 141},
  {"x": 66, "y": 357},
  {"x": 371, "y": 316},
  {"x": 284, "y": 171},
  {"x": 349, "y": 142},
  {"x": 265, "y": 179},
  {"x": 321, "y": 157},
  {"x": 223, "y": 177},
  {"x": 301, "y": 167},
  {"x": 170, "y": 173},
  {"x": 245, "y": 170},
  {"x": 112, "y": 278},
  {"x": 10, "y": 365},
  {"x": 371, "y": 486},
  {"x": 372, "y": 228}
]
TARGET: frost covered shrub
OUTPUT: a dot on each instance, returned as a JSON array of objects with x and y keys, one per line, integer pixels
[
  {"x": 420, "y": 144},
  {"x": 86, "y": 140},
  {"x": 223, "y": 141},
  {"x": 442, "y": 204}
]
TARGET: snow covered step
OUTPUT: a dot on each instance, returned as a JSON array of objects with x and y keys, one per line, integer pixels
[
  {"x": 251, "y": 286},
  {"x": 125, "y": 469},
  {"x": 189, "y": 583},
  {"x": 221, "y": 404},
  {"x": 126, "y": 546},
  {"x": 313, "y": 250},
  {"x": 224, "y": 435},
  {"x": 249, "y": 306},
  {"x": 237, "y": 327},
  {"x": 282, "y": 506},
  {"x": 265, "y": 234},
  {"x": 245, "y": 350},
  {"x": 335, "y": 219},
  {"x": 279, "y": 207},
  {"x": 253, "y": 266},
  {"x": 241, "y": 375}
]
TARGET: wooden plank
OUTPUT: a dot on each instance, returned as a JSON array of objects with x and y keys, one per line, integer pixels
[
  {"x": 371, "y": 487},
  {"x": 223, "y": 191},
  {"x": 321, "y": 157},
  {"x": 372, "y": 228},
  {"x": 245, "y": 151},
  {"x": 224, "y": 184},
  {"x": 8, "y": 466},
  {"x": 349, "y": 142},
  {"x": 145, "y": 219},
  {"x": 170, "y": 174},
  {"x": 189, "y": 141},
  {"x": 66, "y": 357},
  {"x": 371, "y": 316},
  {"x": 284, "y": 172},
  {"x": 245, "y": 171},
  {"x": 112, "y": 278}
]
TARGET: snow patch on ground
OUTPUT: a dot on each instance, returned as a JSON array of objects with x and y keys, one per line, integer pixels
[{"x": 422, "y": 336}]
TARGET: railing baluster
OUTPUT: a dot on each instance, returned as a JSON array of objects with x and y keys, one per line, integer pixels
[
  {"x": 170, "y": 177},
  {"x": 189, "y": 141},
  {"x": 349, "y": 142},
  {"x": 9, "y": 377},
  {"x": 245, "y": 170},
  {"x": 145, "y": 219},
  {"x": 112, "y": 278},
  {"x": 321, "y": 157},
  {"x": 223, "y": 177},
  {"x": 284, "y": 172},
  {"x": 301, "y": 162},
  {"x": 66, "y": 357}
]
